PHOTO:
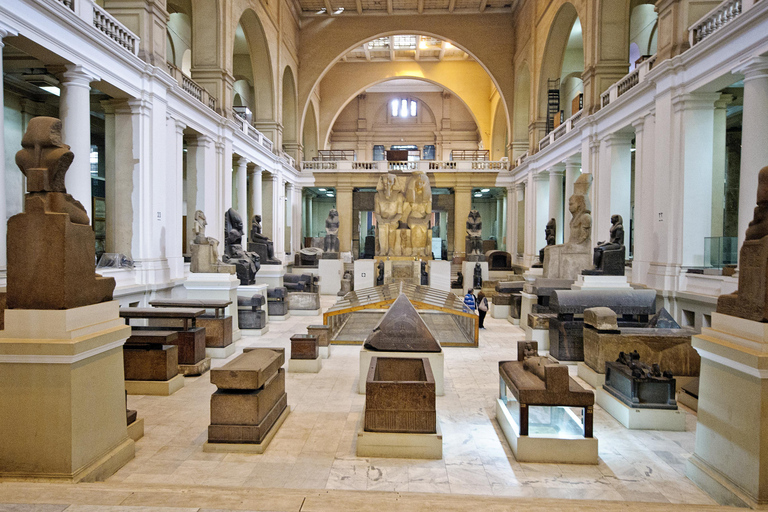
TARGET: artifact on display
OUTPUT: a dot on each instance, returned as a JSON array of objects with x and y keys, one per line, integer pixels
[
  {"x": 246, "y": 263},
  {"x": 205, "y": 250},
  {"x": 331, "y": 242},
  {"x": 609, "y": 256},
  {"x": 550, "y": 234},
  {"x": 261, "y": 244},
  {"x": 402, "y": 329},
  {"x": 474, "y": 241}
]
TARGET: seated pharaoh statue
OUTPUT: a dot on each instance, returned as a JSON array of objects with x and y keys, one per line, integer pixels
[
  {"x": 750, "y": 300},
  {"x": 261, "y": 244},
  {"x": 566, "y": 261},
  {"x": 417, "y": 211},
  {"x": 246, "y": 263},
  {"x": 609, "y": 256},
  {"x": 205, "y": 251},
  {"x": 331, "y": 242},
  {"x": 474, "y": 240},
  {"x": 51, "y": 246},
  {"x": 388, "y": 208},
  {"x": 550, "y": 232}
]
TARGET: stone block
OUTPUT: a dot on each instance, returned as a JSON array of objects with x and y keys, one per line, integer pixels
[
  {"x": 247, "y": 408},
  {"x": 538, "y": 320},
  {"x": 602, "y": 319},
  {"x": 250, "y": 370},
  {"x": 304, "y": 346},
  {"x": 503, "y": 299},
  {"x": 322, "y": 332},
  {"x": 303, "y": 301},
  {"x": 151, "y": 363},
  {"x": 247, "y": 433},
  {"x": 218, "y": 331}
]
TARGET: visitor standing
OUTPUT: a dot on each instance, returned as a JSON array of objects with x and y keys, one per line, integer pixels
[
  {"x": 482, "y": 307},
  {"x": 469, "y": 300}
]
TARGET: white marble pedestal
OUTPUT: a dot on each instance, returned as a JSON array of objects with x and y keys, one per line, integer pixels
[
  {"x": 330, "y": 272},
  {"x": 270, "y": 275},
  {"x": 440, "y": 275},
  {"x": 468, "y": 269},
  {"x": 601, "y": 283},
  {"x": 216, "y": 287},
  {"x": 365, "y": 274}
]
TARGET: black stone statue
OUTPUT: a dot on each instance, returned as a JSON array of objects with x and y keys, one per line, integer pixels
[
  {"x": 477, "y": 278},
  {"x": 459, "y": 282},
  {"x": 424, "y": 274},
  {"x": 380, "y": 276},
  {"x": 550, "y": 234},
  {"x": 261, "y": 244},
  {"x": 608, "y": 257},
  {"x": 246, "y": 263}
]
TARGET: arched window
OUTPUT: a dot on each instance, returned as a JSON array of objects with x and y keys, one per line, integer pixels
[{"x": 400, "y": 107}]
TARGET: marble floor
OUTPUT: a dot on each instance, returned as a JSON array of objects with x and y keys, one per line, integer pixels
[{"x": 315, "y": 448}]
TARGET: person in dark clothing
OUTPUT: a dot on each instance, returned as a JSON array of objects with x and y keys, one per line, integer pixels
[{"x": 482, "y": 307}]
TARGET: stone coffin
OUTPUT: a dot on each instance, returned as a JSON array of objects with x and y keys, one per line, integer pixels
[
  {"x": 305, "y": 301},
  {"x": 247, "y": 407},
  {"x": 304, "y": 346},
  {"x": 321, "y": 332},
  {"x": 400, "y": 396},
  {"x": 250, "y": 370},
  {"x": 503, "y": 299},
  {"x": 499, "y": 260},
  {"x": 150, "y": 363},
  {"x": 276, "y": 302},
  {"x": 249, "y": 312},
  {"x": 639, "y": 392}
]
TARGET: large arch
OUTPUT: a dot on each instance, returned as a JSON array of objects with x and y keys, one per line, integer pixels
[
  {"x": 522, "y": 110},
  {"x": 309, "y": 138},
  {"x": 290, "y": 118},
  {"x": 325, "y": 41},
  {"x": 346, "y": 86},
  {"x": 261, "y": 66},
  {"x": 499, "y": 135}
]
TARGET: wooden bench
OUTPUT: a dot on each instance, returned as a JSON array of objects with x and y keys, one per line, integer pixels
[
  {"x": 190, "y": 338},
  {"x": 218, "y": 326},
  {"x": 556, "y": 388}
]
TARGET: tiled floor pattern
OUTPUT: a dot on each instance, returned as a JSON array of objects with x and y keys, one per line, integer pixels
[{"x": 315, "y": 448}]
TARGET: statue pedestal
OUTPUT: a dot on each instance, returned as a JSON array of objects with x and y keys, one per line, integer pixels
[
  {"x": 270, "y": 275},
  {"x": 440, "y": 275},
  {"x": 730, "y": 460},
  {"x": 330, "y": 272},
  {"x": 468, "y": 269},
  {"x": 365, "y": 274},
  {"x": 62, "y": 394},
  {"x": 601, "y": 283},
  {"x": 217, "y": 287}
]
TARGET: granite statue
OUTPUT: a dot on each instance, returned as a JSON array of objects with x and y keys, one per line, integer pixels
[
  {"x": 380, "y": 273},
  {"x": 609, "y": 256},
  {"x": 566, "y": 261},
  {"x": 424, "y": 274},
  {"x": 261, "y": 244},
  {"x": 388, "y": 208},
  {"x": 550, "y": 232},
  {"x": 205, "y": 250},
  {"x": 418, "y": 213},
  {"x": 474, "y": 241},
  {"x": 331, "y": 242},
  {"x": 51, "y": 245},
  {"x": 459, "y": 282},
  {"x": 477, "y": 277},
  {"x": 246, "y": 263},
  {"x": 639, "y": 385}
]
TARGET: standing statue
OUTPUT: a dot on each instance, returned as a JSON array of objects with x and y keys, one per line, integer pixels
[
  {"x": 331, "y": 242},
  {"x": 477, "y": 278},
  {"x": 261, "y": 244},
  {"x": 424, "y": 274},
  {"x": 388, "y": 207},
  {"x": 550, "y": 232},
  {"x": 246, "y": 263},
  {"x": 609, "y": 256},
  {"x": 380, "y": 273},
  {"x": 51, "y": 257},
  {"x": 474, "y": 241},
  {"x": 418, "y": 213},
  {"x": 205, "y": 250},
  {"x": 566, "y": 261}
]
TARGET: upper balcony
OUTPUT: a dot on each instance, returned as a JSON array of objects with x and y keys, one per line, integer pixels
[{"x": 382, "y": 166}]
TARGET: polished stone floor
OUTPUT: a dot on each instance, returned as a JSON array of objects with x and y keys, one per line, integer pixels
[{"x": 315, "y": 448}]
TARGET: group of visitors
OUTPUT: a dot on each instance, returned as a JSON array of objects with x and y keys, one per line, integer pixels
[{"x": 479, "y": 303}]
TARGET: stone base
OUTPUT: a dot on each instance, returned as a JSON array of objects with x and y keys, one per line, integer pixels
[
  {"x": 554, "y": 450},
  {"x": 687, "y": 400},
  {"x": 253, "y": 289},
  {"x": 304, "y": 312},
  {"x": 189, "y": 370},
  {"x": 249, "y": 447},
  {"x": 440, "y": 275},
  {"x": 136, "y": 429},
  {"x": 498, "y": 311},
  {"x": 468, "y": 269},
  {"x": 305, "y": 365},
  {"x": 154, "y": 387},
  {"x": 365, "y": 274},
  {"x": 567, "y": 363},
  {"x": 513, "y": 321},
  {"x": 640, "y": 419},
  {"x": 539, "y": 335},
  {"x": 222, "y": 352},
  {"x": 270, "y": 275},
  {"x": 330, "y": 272},
  {"x": 215, "y": 287},
  {"x": 436, "y": 361},
  {"x": 255, "y": 332},
  {"x": 325, "y": 352},
  {"x": 590, "y": 376},
  {"x": 280, "y": 318},
  {"x": 398, "y": 445},
  {"x": 601, "y": 283}
]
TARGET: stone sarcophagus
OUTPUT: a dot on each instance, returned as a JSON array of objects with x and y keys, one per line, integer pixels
[
  {"x": 543, "y": 289},
  {"x": 566, "y": 326},
  {"x": 250, "y": 314},
  {"x": 639, "y": 385},
  {"x": 400, "y": 396},
  {"x": 304, "y": 346},
  {"x": 277, "y": 305},
  {"x": 321, "y": 332}
]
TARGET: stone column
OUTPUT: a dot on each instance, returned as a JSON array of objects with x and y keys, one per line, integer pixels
[
  {"x": 619, "y": 160},
  {"x": 288, "y": 220},
  {"x": 242, "y": 196},
  {"x": 75, "y": 114},
  {"x": 268, "y": 222},
  {"x": 572, "y": 173},
  {"x": 175, "y": 185},
  {"x": 556, "y": 174},
  {"x": 754, "y": 149},
  {"x": 278, "y": 216},
  {"x": 530, "y": 251},
  {"x": 462, "y": 197},
  {"x": 202, "y": 186},
  {"x": 718, "y": 164},
  {"x": 519, "y": 220},
  {"x": 541, "y": 191},
  {"x": 118, "y": 154},
  {"x": 643, "y": 217},
  {"x": 224, "y": 163},
  {"x": 499, "y": 232},
  {"x": 3, "y": 209},
  {"x": 256, "y": 187},
  {"x": 511, "y": 219},
  {"x": 344, "y": 207}
]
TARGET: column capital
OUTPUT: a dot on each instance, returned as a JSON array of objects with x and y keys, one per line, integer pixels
[
  {"x": 754, "y": 67},
  {"x": 617, "y": 138},
  {"x": 541, "y": 175},
  {"x": 242, "y": 162},
  {"x": 724, "y": 101},
  {"x": 557, "y": 172},
  {"x": 558, "y": 167},
  {"x": 76, "y": 75},
  {"x": 201, "y": 140},
  {"x": 520, "y": 185},
  {"x": 699, "y": 100},
  {"x": 572, "y": 160},
  {"x": 6, "y": 31}
]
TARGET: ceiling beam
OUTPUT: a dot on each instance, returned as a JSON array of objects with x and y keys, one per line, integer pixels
[
  {"x": 421, "y": 6},
  {"x": 359, "y": 6},
  {"x": 483, "y": 5},
  {"x": 390, "y": 8},
  {"x": 451, "y": 5},
  {"x": 442, "y": 51},
  {"x": 328, "y": 8}
]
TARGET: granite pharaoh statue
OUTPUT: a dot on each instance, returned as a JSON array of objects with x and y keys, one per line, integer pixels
[
  {"x": 331, "y": 242},
  {"x": 418, "y": 212},
  {"x": 474, "y": 243},
  {"x": 388, "y": 207},
  {"x": 609, "y": 256},
  {"x": 247, "y": 263},
  {"x": 261, "y": 244},
  {"x": 550, "y": 232}
]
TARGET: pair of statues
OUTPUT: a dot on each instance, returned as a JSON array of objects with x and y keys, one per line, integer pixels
[
  {"x": 205, "y": 250},
  {"x": 608, "y": 258},
  {"x": 474, "y": 241},
  {"x": 403, "y": 212},
  {"x": 247, "y": 263}
]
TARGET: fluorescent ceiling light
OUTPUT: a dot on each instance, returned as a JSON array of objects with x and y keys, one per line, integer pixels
[
  {"x": 339, "y": 10},
  {"x": 485, "y": 190},
  {"x": 51, "y": 89},
  {"x": 478, "y": 194},
  {"x": 329, "y": 194},
  {"x": 321, "y": 11},
  {"x": 321, "y": 189}
]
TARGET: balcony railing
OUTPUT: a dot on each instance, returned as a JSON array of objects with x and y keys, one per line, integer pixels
[
  {"x": 253, "y": 133},
  {"x": 632, "y": 79},
  {"x": 715, "y": 19},
  {"x": 191, "y": 87},
  {"x": 522, "y": 157},
  {"x": 70, "y": 4},
  {"x": 422, "y": 165},
  {"x": 558, "y": 132},
  {"x": 112, "y": 28}
]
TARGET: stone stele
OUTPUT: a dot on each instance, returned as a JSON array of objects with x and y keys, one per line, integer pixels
[
  {"x": 51, "y": 246},
  {"x": 401, "y": 329}
]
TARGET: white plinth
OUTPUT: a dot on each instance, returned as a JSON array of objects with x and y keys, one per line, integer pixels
[
  {"x": 252, "y": 289},
  {"x": 468, "y": 269},
  {"x": 216, "y": 287},
  {"x": 532, "y": 273},
  {"x": 221, "y": 352},
  {"x": 539, "y": 335},
  {"x": 398, "y": 445},
  {"x": 325, "y": 352},
  {"x": 306, "y": 312},
  {"x": 500, "y": 311},
  {"x": 440, "y": 275},
  {"x": 305, "y": 365},
  {"x": 330, "y": 272},
  {"x": 601, "y": 283},
  {"x": 270, "y": 275},
  {"x": 365, "y": 274},
  {"x": 640, "y": 419},
  {"x": 590, "y": 376},
  {"x": 155, "y": 387},
  {"x": 526, "y": 306},
  {"x": 556, "y": 450},
  {"x": 255, "y": 332},
  {"x": 436, "y": 361},
  {"x": 513, "y": 321}
]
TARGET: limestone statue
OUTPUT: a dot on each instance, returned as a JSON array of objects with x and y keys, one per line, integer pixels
[
  {"x": 261, "y": 244},
  {"x": 51, "y": 246},
  {"x": 609, "y": 256},
  {"x": 205, "y": 250},
  {"x": 418, "y": 213},
  {"x": 246, "y": 263},
  {"x": 550, "y": 232},
  {"x": 388, "y": 208},
  {"x": 566, "y": 261},
  {"x": 474, "y": 242},
  {"x": 331, "y": 242}
]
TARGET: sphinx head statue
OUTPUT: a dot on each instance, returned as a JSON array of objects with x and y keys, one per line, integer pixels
[{"x": 44, "y": 159}]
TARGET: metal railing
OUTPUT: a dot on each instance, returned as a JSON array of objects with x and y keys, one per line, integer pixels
[
  {"x": 714, "y": 20},
  {"x": 113, "y": 29}
]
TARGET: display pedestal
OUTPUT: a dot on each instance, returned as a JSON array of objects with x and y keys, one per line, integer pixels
[
  {"x": 545, "y": 449},
  {"x": 249, "y": 291},
  {"x": 634, "y": 418},
  {"x": 305, "y": 365},
  {"x": 436, "y": 361},
  {"x": 62, "y": 394},
  {"x": 248, "y": 447},
  {"x": 590, "y": 376},
  {"x": 601, "y": 283},
  {"x": 213, "y": 287},
  {"x": 440, "y": 275},
  {"x": 325, "y": 352},
  {"x": 155, "y": 387},
  {"x": 270, "y": 275},
  {"x": 365, "y": 274},
  {"x": 538, "y": 335},
  {"x": 500, "y": 311},
  {"x": 399, "y": 445},
  {"x": 468, "y": 269},
  {"x": 330, "y": 272},
  {"x": 730, "y": 460},
  {"x": 527, "y": 301}
]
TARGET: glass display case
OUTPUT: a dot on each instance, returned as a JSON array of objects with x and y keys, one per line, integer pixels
[{"x": 720, "y": 251}]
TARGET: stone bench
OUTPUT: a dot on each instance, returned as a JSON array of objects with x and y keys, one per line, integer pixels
[{"x": 218, "y": 326}]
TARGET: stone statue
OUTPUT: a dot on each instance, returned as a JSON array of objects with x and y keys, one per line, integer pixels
[
  {"x": 261, "y": 244},
  {"x": 750, "y": 301},
  {"x": 566, "y": 261},
  {"x": 474, "y": 242},
  {"x": 205, "y": 250},
  {"x": 380, "y": 273},
  {"x": 246, "y": 263},
  {"x": 331, "y": 242},
  {"x": 388, "y": 208},
  {"x": 459, "y": 282},
  {"x": 550, "y": 232},
  {"x": 609, "y": 256},
  {"x": 477, "y": 277},
  {"x": 424, "y": 274},
  {"x": 417, "y": 211},
  {"x": 533, "y": 362},
  {"x": 51, "y": 246}
]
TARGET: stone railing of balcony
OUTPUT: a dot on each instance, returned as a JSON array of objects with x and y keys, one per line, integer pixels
[
  {"x": 287, "y": 159},
  {"x": 69, "y": 4},
  {"x": 112, "y": 28},
  {"x": 191, "y": 87},
  {"x": 633, "y": 78},
  {"x": 253, "y": 133},
  {"x": 558, "y": 132},
  {"x": 522, "y": 157},
  {"x": 715, "y": 19},
  {"x": 422, "y": 165}
]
